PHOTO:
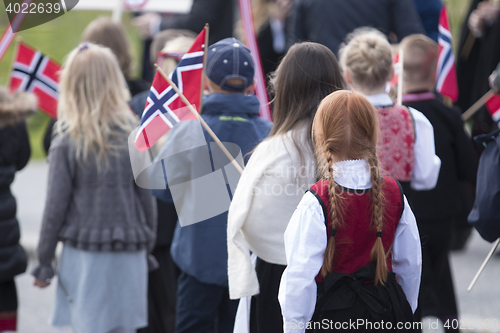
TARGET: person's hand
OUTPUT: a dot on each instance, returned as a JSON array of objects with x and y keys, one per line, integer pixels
[
  {"x": 495, "y": 80},
  {"x": 476, "y": 23},
  {"x": 489, "y": 11},
  {"x": 486, "y": 13},
  {"x": 148, "y": 24},
  {"x": 41, "y": 283}
]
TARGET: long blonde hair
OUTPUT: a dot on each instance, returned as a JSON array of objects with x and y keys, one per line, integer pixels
[
  {"x": 346, "y": 126},
  {"x": 367, "y": 57},
  {"x": 92, "y": 108}
]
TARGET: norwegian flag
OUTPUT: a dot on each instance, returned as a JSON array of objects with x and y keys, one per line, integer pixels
[
  {"x": 164, "y": 108},
  {"x": 446, "y": 77},
  {"x": 37, "y": 73},
  {"x": 493, "y": 106}
]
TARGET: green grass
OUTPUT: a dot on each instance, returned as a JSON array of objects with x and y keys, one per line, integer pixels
[{"x": 56, "y": 39}]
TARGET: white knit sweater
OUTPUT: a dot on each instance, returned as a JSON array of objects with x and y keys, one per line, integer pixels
[{"x": 267, "y": 194}]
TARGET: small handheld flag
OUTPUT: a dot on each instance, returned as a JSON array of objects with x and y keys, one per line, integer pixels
[
  {"x": 37, "y": 73},
  {"x": 446, "y": 77},
  {"x": 164, "y": 108},
  {"x": 493, "y": 106}
]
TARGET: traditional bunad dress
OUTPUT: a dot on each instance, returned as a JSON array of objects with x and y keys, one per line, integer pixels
[{"x": 348, "y": 293}]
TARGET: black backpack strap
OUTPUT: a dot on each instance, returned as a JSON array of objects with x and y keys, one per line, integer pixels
[
  {"x": 321, "y": 202},
  {"x": 401, "y": 193}
]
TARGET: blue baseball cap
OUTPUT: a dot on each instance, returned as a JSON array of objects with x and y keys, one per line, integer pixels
[{"x": 229, "y": 59}]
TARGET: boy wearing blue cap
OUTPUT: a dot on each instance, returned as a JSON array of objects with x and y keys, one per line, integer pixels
[{"x": 200, "y": 249}]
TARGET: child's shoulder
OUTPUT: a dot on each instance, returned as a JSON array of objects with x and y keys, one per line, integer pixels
[{"x": 61, "y": 141}]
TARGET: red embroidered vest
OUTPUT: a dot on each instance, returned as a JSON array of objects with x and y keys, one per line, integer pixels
[
  {"x": 395, "y": 147},
  {"x": 355, "y": 239}
]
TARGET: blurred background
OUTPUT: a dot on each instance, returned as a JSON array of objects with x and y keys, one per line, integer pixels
[{"x": 56, "y": 38}]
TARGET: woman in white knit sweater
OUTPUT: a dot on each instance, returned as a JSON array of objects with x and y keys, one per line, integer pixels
[{"x": 280, "y": 170}]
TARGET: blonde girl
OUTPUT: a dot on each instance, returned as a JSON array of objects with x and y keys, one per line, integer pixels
[
  {"x": 105, "y": 222},
  {"x": 353, "y": 236},
  {"x": 406, "y": 144}
]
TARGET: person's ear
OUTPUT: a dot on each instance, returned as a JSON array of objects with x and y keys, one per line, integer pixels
[{"x": 250, "y": 89}]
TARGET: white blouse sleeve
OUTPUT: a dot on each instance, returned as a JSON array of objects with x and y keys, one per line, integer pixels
[
  {"x": 305, "y": 244},
  {"x": 427, "y": 163},
  {"x": 407, "y": 256}
]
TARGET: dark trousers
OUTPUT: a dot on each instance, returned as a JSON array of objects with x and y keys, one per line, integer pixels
[
  {"x": 265, "y": 311},
  {"x": 162, "y": 289},
  {"x": 8, "y": 306},
  {"x": 437, "y": 295},
  {"x": 203, "y": 307}
]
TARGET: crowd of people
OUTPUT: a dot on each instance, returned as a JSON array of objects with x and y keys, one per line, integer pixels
[{"x": 348, "y": 198}]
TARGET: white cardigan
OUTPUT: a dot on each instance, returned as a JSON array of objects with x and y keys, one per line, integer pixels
[{"x": 267, "y": 194}]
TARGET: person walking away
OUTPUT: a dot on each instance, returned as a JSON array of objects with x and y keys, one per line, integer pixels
[
  {"x": 436, "y": 209},
  {"x": 107, "y": 224},
  {"x": 281, "y": 168},
  {"x": 406, "y": 142},
  {"x": 15, "y": 152},
  {"x": 200, "y": 249},
  {"x": 352, "y": 245}
]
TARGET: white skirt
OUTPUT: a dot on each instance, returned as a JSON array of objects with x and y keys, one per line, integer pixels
[{"x": 98, "y": 292}]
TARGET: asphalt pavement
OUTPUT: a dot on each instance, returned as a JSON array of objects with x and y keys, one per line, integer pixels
[{"x": 479, "y": 310}]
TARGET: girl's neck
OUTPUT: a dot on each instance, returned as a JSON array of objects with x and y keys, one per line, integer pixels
[{"x": 368, "y": 91}]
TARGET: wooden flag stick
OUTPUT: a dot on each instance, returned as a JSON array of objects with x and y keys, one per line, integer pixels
[
  {"x": 400, "y": 77},
  {"x": 476, "y": 106},
  {"x": 205, "y": 125},
  {"x": 18, "y": 39},
  {"x": 205, "y": 49},
  {"x": 488, "y": 257},
  {"x": 117, "y": 11},
  {"x": 469, "y": 43}
]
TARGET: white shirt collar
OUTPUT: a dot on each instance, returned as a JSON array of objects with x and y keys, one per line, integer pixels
[
  {"x": 380, "y": 100},
  {"x": 353, "y": 174}
]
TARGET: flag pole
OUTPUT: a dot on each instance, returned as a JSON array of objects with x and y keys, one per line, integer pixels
[
  {"x": 488, "y": 257},
  {"x": 205, "y": 125},
  {"x": 205, "y": 48},
  {"x": 18, "y": 40},
  {"x": 469, "y": 43},
  {"x": 400, "y": 77},
  {"x": 476, "y": 106},
  {"x": 117, "y": 11}
]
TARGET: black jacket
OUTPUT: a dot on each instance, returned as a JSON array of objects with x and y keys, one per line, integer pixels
[
  {"x": 458, "y": 163},
  {"x": 329, "y": 21},
  {"x": 14, "y": 155}
]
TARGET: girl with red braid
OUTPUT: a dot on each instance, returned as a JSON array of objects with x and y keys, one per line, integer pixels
[{"x": 352, "y": 245}]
